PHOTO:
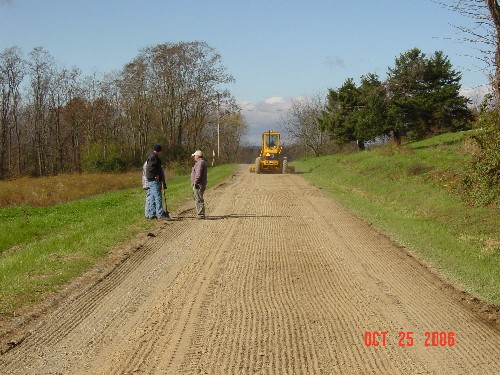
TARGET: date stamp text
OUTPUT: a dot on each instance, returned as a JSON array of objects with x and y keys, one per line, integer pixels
[{"x": 409, "y": 338}]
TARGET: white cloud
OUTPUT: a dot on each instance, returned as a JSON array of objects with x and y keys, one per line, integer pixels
[
  {"x": 475, "y": 94},
  {"x": 246, "y": 105},
  {"x": 264, "y": 115},
  {"x": 275, "y": 100}
]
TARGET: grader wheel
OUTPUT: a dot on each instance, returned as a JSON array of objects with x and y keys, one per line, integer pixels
[{"x": 257, "y": 165}]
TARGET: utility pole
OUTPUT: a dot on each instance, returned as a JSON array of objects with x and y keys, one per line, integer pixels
[{"x": 218, "y": 127}]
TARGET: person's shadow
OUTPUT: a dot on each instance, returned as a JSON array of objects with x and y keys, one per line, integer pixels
[{"x": 229, "y": 216}]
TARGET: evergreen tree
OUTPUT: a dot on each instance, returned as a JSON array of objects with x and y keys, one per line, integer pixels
[
  {"x": 424, "y": 95},
  {"x": 407, "y": 95},
  {"x": 357, "y": 113},
  {"x": 341, "y": 105},
  {"x": 449, "y": 108},
  {"x": 372, "y": 116}
]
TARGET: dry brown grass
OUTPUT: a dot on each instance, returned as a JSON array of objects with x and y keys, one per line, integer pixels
[{"x": 45, "y": 191}]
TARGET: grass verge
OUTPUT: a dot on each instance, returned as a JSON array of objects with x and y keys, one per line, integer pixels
[
  {"x": 43, "y": 247},
  {"x": 409, "y": 194}
]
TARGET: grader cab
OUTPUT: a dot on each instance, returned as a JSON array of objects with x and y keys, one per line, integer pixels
[{"x": 270, "y": 158}]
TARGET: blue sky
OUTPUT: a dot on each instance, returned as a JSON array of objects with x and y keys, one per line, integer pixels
[{"x": 277, "y": 50}]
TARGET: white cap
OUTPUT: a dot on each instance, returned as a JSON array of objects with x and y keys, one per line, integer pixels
[{"x": 197, "y": 153}]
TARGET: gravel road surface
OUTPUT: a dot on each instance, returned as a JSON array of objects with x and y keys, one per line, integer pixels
[{"x": 278, "y": 280}]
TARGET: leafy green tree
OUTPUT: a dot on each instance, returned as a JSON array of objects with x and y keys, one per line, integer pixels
[
  {"x": 372, "y": 116},
  {"x": 405, "y": 86},
  {"x": 449, "y": 109},
  {"x": 424, "y": 95},
  {"x": 341, "y": 104},
  {"x": 357, "y": 113}
]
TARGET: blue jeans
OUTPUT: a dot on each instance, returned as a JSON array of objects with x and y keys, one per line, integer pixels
[
  {"x": 155, "y": 204},
  {"x": 148, "y": 202}
]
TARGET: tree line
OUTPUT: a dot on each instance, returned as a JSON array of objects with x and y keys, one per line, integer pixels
[
  {"x": 419, "y": 97},
  {"x": 54, "y": 120}
]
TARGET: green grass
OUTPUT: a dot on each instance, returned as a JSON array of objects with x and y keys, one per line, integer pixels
[
  {"x": 409, "y": 194},
  {"x": 42, "y": 248}
]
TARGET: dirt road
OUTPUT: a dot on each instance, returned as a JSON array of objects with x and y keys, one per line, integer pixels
[{"x": 279, "y": 280}]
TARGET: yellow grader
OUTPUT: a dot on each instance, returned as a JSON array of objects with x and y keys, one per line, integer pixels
[{"x": 270, "y": 158}]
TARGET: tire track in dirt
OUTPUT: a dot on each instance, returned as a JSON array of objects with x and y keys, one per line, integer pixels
[
  {"x": 414, "y": 296},
  {"x": 287, "y": 292},
  {"x": 106, "y": 304},
  {"x": 161, "y": 337},
  {"x": 280, "y": 280},
  {"x": 363, "y": 300}
]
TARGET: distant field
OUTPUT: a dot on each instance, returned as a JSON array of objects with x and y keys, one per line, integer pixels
[{"x": 45, "y": 191}]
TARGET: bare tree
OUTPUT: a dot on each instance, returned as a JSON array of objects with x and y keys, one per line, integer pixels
[
  {"x": 303, "y": 123},
  {"x": 167, "y": 94},
  {"x": 41, "y": 74},
  {"x": 75, "y": 114},
  {"x": 12, "y": 70},
  {"x": 226, "y": 132},
  {"x": 494, "y": 9},
  {"x": 114, "y": 133},
  {"x": 184, "y": 79},
  {"x": 484, "y": 33},
  {"x": 68, "y": 88},
  {"x": 136, "y": 102}
]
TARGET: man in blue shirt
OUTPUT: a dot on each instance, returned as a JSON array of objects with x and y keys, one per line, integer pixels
[{"x": 156, "y": 182}]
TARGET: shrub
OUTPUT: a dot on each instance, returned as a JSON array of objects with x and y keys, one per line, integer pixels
[
  {"x": 177, "y": 168},
  {"x": 481, "y": 180},
  {"x": 111, "y": 161}
]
